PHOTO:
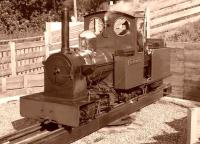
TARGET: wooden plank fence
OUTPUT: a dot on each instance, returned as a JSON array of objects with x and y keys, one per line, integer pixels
[
  {"x": 21, "y": 85},
  {"x": 26, "y": 58},
  {"x": 169, "y": 15},
  {"x": 18, "y": 58},
  {"x": 19, "y": 61},
  {"x": 166, "y": 16},
  {"x": 21, "y": 58},
  {"x": 53, "y": 35},
  {"x": 184, "y": 64},
  {"x": 193, "y": 126},
  {"x": 185, "y": 68}
]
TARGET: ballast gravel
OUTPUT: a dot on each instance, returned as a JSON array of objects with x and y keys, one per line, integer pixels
[{"x": 163, "y": 122}]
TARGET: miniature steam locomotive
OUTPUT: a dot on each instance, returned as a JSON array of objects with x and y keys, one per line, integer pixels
[{"x": 114, "y": 64}]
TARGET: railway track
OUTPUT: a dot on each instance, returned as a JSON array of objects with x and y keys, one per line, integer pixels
[
  {"x": 51, "y": 133},
  {"x": 32, "y": 134}
]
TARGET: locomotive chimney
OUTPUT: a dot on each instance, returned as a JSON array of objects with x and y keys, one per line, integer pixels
[{"x": 65, "y": 30}]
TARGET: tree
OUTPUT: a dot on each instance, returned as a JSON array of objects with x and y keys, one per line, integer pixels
[
  {"x": 27, "y": 15},
  {"x": 88, "y": 6},
  {"x": 20, "y": 16}
]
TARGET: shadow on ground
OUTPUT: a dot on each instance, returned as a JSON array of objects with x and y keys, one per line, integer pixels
[{"x": 178, "y": 137}]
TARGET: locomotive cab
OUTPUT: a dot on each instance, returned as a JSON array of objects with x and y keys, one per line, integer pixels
[
  {"x": 118, "y": 33},
  {"x": 114, "y": 30},
  {"x": 124, "y": 36}
]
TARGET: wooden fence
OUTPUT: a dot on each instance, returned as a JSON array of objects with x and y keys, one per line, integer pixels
[
  {"x": 53, "y": 35},
  {"x": 21, "y": 85},
  {"x": 185, "y": 68},
  {"x": 184, "y": 64},
  {"x": 19, "y": 61},
  {"x": 193, "y": 126},
  {"x": 17, "y": 58},
  {"x": 29, "y": 55},
  {"x": 168, "y": 15},
  {"x": 21, "y": 58}
]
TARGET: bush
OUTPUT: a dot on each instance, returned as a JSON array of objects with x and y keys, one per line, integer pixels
[
  {"x": 19, "y": 17},
  {"x": 188, "y": 33},
  {"x": 22, "y": 16}
]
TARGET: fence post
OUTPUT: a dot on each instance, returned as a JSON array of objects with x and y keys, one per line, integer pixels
[
  {"x": 111, "y": 3},
  {"x": 192, "y": 125},
  {"x": 147, "y": 22},
  {"x": 47, "y": 39},
  {"x": 75, "y": 10},
  {"x": 13, "y": 58},
  {"x": 26, "y": 83},
  {"x": 3, "y": 84}
]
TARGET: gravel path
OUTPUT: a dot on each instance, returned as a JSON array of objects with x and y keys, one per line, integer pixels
[
  {"x": 163, "y": 122},
  {"x": 8, "y": 112}
]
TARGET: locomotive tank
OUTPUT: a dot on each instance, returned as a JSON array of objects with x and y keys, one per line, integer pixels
[
  {"x": 71, "y": 72},
  {"x": 68, "y": 73}
]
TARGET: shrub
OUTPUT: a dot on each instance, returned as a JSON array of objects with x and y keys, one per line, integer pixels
[
  {"x": 24, "y": 16},
  {"x": 188, "y": 33}
]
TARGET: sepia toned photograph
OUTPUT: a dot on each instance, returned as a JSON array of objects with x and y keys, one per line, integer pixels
[{"x": 100, "y": 72}]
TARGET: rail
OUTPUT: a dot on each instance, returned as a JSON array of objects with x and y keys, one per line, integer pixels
[{"x": 32, "y": 134}]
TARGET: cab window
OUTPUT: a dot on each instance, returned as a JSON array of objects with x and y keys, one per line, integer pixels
[
  {"x": 140, "y": 34},
  {"x": 121, "y": 26},
  {"x": 96, "y": 25}
]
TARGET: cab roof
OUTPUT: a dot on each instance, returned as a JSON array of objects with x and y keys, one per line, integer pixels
[{"x": 136, "y": 14}]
